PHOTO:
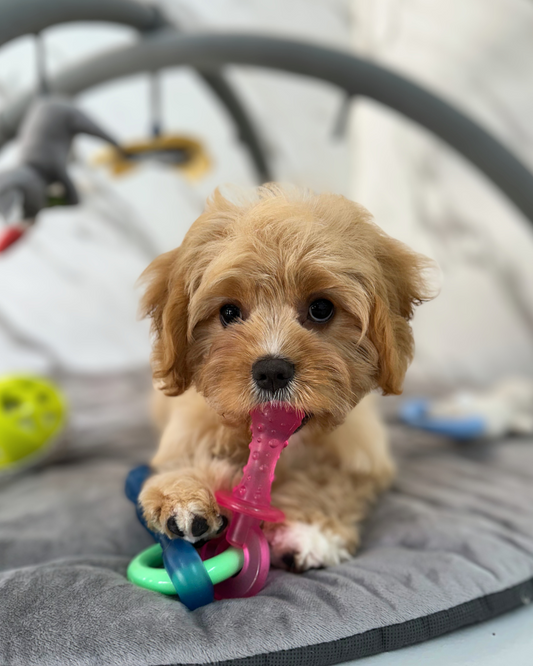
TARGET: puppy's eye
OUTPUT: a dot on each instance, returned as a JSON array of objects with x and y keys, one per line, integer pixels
[
  {"x": 321, "y": 310},
  {"x": 229, "y": 313}
]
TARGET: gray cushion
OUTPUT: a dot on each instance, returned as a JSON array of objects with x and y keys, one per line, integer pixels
[{"x": 450, "y": 544}]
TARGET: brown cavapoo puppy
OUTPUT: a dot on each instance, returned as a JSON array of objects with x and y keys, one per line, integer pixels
[{"x": 291, "y": 297}]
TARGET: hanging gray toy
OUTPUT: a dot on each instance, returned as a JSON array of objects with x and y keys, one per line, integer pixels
[{"x": 46, "y": 136}]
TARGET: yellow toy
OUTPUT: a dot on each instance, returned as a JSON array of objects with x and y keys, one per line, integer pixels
[{"x": 32, "y": 413}]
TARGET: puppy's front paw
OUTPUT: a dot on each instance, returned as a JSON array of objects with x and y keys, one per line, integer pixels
[
  {"x": 298, "y": 546},
  {"x": 179, "y": 505}
]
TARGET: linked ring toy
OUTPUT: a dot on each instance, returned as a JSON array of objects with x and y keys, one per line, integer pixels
[
  {"x": 146, "y": 570},
  {"x": 235, "y": 564}
]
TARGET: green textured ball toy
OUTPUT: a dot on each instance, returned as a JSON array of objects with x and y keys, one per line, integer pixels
[{"x": 32, "y": 412}]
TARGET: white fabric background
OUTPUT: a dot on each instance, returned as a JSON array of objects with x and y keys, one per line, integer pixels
[
  {"x": 477, "y": 54},
  {"x": 67, "y": 300}
]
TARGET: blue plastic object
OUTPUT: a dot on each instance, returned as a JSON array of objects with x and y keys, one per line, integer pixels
[
  {"x": 182, "y": 562},
  {"x": 416, "y": 412}
]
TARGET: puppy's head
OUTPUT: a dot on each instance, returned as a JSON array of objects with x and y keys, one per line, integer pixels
[{"x": 290, "y": 297}]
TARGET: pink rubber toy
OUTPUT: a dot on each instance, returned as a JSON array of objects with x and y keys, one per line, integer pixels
[{"x": 272, "y": 425}]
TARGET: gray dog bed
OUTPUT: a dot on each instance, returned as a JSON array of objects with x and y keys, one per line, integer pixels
[{"x": 450, "y": 545}]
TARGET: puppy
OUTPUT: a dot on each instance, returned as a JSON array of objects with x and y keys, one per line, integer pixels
[{"x": 290, "y": 297}]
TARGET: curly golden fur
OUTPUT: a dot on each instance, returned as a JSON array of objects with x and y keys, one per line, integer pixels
[{"x": 271, "y": 256}]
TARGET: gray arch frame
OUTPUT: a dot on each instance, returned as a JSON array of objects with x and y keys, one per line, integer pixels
[
  {"x": 209, "y": 52},
  {"x": 21, "y": 17}
]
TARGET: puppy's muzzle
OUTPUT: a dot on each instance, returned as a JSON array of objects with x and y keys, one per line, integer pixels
[{"x": 272, "y": 374}]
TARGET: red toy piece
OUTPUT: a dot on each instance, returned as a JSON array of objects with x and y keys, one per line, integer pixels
[{"x": 11, "y": 234}]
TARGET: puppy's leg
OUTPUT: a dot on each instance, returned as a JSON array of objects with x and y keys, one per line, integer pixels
[
  {"x": 322, "y": 518},
  {"x": 325, "y": 486},
  {"x": 179, "y": 498}
]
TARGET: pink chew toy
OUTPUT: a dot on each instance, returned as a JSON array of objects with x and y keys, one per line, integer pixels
[{"x": 272, "y": 425}]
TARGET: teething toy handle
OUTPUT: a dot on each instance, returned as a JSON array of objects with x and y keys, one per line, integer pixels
[
  {"x": 252, "y": 577},
  {"x": 250, "y": 501}
]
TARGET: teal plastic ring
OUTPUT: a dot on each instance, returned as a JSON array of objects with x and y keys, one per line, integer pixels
[{"x": 146, "y": 570}]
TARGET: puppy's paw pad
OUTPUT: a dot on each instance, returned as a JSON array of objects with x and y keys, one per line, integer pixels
[
  {"x": 297, "y": 547},
  {"x": 194, "y": 527},
  {"x": 199, "y": 526},
  {"x": 172, "y": 526}
]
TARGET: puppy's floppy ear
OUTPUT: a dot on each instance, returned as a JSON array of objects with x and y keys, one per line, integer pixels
[
  {"x": 402, "y": 286},
  {"x": 166, "y": 301}
]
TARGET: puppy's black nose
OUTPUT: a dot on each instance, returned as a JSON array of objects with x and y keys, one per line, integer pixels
[{"x": 271, "y": 374}]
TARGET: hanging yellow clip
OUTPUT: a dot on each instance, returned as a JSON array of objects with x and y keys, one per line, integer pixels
[{"x": 180, "y": 152}]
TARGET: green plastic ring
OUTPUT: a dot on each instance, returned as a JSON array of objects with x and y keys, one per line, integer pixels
[{"x": 146, "y": 570}]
